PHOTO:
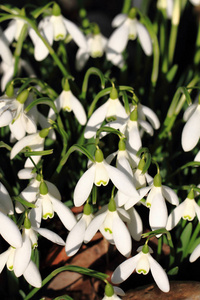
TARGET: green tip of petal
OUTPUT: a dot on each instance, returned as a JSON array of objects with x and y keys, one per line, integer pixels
[
  {"x": 145, "y": 249},
  {"x": 56, "y": 11},
  {"x": 114, "y": 93},
  {"x": 99, "y": 156},
  {"x": 43, "y": 188},
  {"x": 132, "y": 13},
  {"x": 157, "y": 181},
  {"x": 23, "y": 96},
  {"x": 10, "y": 90},
  {"x": 109, "y": 290},
  {"x": 134, "y": 115},
  {"x": 87, "y": 209}
]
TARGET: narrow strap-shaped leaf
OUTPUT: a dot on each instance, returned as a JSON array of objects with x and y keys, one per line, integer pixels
[
  {"x": 24, "y": 202},
  {"x": 92, "y": 71}
]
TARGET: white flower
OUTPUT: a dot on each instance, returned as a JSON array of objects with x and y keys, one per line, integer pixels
[
  {"x": 55, "y": 28},
  {"x": 191, "y": 130},
  {"x": 76, "y": 236},
  {"x": 109, "y": 222},
  {"x": 35, "y": 142},
  {"x": 96, "y": 44},
  {"x": 47, "y": 204},
  {"x": 6, "y": 205},
  {"x": 99, "y": 173},
  {"x": 31, "y": 273},
  {"x": 68, "y": 102},
  {"x": 187, "y": 210},
  {"x": 111, "y": 292},
  {"x": 195, "y": 254},
  {"x": 129, "y": 28},
  {"x": 112, "y": 109},
  {"x": 142, "y": 263},
  {"x": 12, "y": 114}
]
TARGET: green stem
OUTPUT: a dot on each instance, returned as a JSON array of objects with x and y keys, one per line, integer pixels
[{"x": 126, "y": 6}]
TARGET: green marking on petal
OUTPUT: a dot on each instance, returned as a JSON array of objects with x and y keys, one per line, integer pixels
[
  {"x": 189, "y": 218},
  {"x": 34, "y": 246},
  {"x": 101, "y": 182},
  {"x": 59, "y": 37},
  {"x": 132, "y": 37},
  {"x": 108, "y": 230},
  {"x": 67, "y": 108},
  {"x": 148, "y": 205},
  {"x": 47, "y": 215},
  {"x": 142, "y": 271},
  {"x": 111, "y": 118},
  {"x": 10, "y": 268}
]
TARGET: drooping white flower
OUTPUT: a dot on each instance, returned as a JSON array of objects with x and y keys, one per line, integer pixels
[
  {"x": 9, "y": 231},
  {"x": 96, "y": 44},
  {"x": 110, "y": 110},
  {"x": 111, "y": 292},
  {"x": 55, "y": 28},
  {"x": 12, "y": 114},
  {"x": 76, "y": 236},
  {"x": 99, "y": 173},
  {"x": 47, "y": 204},
  {"x": 191, "y": 131},
  {"x": 33, "y": 141},
  {"x": 142, "y": 262},
  {"x": 129, "y": 28},
  {"x": 31, "y": 272},
  {"x": 109, "y": 222},
  {"x": 187, "y": 210},
  {"x": 68, "y": 102}
]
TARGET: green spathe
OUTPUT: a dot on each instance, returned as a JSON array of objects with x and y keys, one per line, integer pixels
[
  {"x": 23, "y": 96},
  {"x": 109, "y": 291},
  {"x": 43, "y": 188},
  {"x": 99, "y": 156}
]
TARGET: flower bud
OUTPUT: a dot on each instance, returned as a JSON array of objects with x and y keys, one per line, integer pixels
[
  {"x": 44, "y": 132},
  {"x": 109, "y": 291},
  {"x": 23, "y": 96},
  {"x": 10, "y": 90}
]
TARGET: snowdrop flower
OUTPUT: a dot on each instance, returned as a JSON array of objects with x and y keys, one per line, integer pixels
[
  {"x": 55, "y": 28},
  {"x": 68, "y": 102},
  {"x": 109, "y": 222},
  {"x": 129, "y": 28},
  {"x": 31, "y": 273},
  {"x": 156, "y": 202},
  {"x": 99, "y": 173},
  {"x": 195, "y": 254},
  {"x": 135, "y": 225},
  {"x": 9, "y": 231},
  {"x": 187, "y": 210},
  {"x": 33, "y": 141},
  {"x": 111, "y": 292},
  {"x": 76, "y": 236},
  {"x": 110, "y": 110},
  {"x": 191, "y": 130},
  {"x": 166, "y": 5},
  {"x": 96, "y": 45},
  {"x": 6, "y": 205},
  {"x": 12, "y": 113},
  {"x": 142, "y": 262},
  {"x": 47, "y": 204}
]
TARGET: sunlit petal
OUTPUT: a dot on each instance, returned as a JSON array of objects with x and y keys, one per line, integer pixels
[{"x": 159, "y": 275}]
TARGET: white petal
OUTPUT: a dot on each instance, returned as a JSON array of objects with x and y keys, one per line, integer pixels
[
  {"x": 9, "y": 32},
  {"x": 118, "y": 20},
  {"x": 121, "y": 181},
  {"x": 50, "y": 235},
  {"x": 189, "y": 111},
  {"x": 158, "y": 212},
  {"x": 197, "y": 210},
  {"x": 159, "y": 275},
  {"x": 75, "y": 238},
  {"x": 146, "y": 127},
  {"x": 5, "y": 51},
  {"x": 151, "y": 116},
  {"x": 133, "y": 200},
  {"x": 52, "y": 189},
  {"x": 17, "y": 128},
  {"x": 22, "y": 256},
  {"x": 35, "y": 214},
  {"x": 21, "y": 144},
  {"x": 197, "y": 157},
  {"x": 10, "y": 231},
  {"x": 95, "y": 121},
  {"x": 64, "y": 213},
  {"x": 7, "y": 75},
  {"x": 175, "y": 216},
  {"x": 6, "y": 204},
  {"x": 78, "y": 110},
  {"x": 121, "y": 236},
  {"x": 84, "y": 186},
  {"x": 134, "y": 138},
  {"x": 145, "y": 39},
  {"x": 118, "y": 291},
  {"x": 135, "y": 225},
  {"x": 124, "y": 165},
  {"x": 25, "y": 173},
  {"x": 121, "y": 198},
  {"x": 76, "y": 33},
  {"x": 5, "y": 118},
  {"x": 32, "y": 275},
  {"x": 195, "y": 254},
  {"x": 3, "y": 259},
  {"x": 124, "y": 270},
  {"x": 82, "y": 57},
  {"x": 191, "y": 131},
  {"x": 119, "y": 38},
  {"x": 170, "y": 195},
  {"x": 94, "y": 226}
]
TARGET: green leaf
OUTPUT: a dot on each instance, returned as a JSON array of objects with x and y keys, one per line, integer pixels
[
  {"x": 64, "y": 297},
  {"x": 38, "y": 11},
  {"x": 173, "y": 271},
  {"x": 24, "y": 202},
  {"x": 43, "y": 100},
  {"x": 184, "y": 240},
  {"x": 91, "y": 71},
  {"x": 110, "y": 130},
  {"x": 126, "y": 102},
  {"x": 4, "y": 145},
  {"x": 37, "y": 153}
]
